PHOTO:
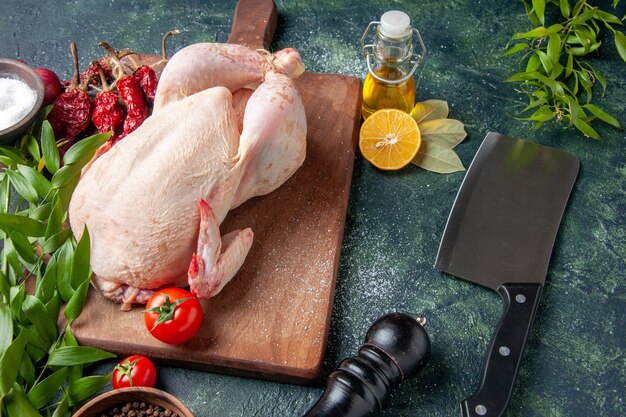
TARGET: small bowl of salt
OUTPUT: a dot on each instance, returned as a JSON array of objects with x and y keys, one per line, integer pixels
[{"x": 21, "y": 97}]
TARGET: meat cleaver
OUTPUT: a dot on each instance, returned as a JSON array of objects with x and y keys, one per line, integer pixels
[{"x": 500, "y": 234}]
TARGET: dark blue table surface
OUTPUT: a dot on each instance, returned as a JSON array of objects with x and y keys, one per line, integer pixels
[{"x": 575, "y": 363}]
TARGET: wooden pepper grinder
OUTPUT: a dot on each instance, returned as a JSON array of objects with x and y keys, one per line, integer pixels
[{"x": 396, "y": 348}]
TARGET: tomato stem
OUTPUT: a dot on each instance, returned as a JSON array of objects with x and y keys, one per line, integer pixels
[
  {"x": 125, "y": 368},
  {"x": 165, "y": 311}
]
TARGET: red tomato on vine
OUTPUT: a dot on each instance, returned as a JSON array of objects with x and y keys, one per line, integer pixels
[
  {"x": 134, "y": 371},
  {"x": 173, "y": 315}
]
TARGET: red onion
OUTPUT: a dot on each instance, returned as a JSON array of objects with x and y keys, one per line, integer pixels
[{"x": 51, "y": 83}]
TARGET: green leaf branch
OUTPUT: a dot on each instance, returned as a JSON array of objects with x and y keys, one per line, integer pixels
[
  {"x": 42, "y": 267},
  {"x": 556, "y": 78}
]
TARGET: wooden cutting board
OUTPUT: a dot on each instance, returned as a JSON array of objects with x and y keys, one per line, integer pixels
[{"x": 272, "y": 320}]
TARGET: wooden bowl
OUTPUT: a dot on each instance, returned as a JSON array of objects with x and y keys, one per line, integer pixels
[
  {"x": 11, "y": 68},
  {"x": 118, "y": 397}
]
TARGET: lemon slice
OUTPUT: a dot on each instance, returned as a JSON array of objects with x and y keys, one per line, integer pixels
[{"x": 389, "y": 139}]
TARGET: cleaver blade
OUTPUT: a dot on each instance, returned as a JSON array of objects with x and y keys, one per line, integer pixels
[{"x": 500, "y": 234}]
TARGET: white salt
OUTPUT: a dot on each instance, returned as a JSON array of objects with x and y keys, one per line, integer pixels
[{"x": 16, "y": 101}]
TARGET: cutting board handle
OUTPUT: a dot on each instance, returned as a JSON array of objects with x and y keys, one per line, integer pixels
[
  {"x": 396, "y": 348},
  {"x": 254, "y": 23}
]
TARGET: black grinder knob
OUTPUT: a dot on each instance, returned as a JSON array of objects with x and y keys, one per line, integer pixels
[{"x": 396, "y": 348}]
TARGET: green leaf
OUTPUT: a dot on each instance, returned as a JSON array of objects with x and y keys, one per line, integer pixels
[
  {"x": 539, "y": 6},
  {"x": 582, "y": 18},
  {"x": 11, "y": 156},
  {"x": 38, "y": 314},
  {"x": 81, "y": 269},
  {"x": 49, "y": 147},
  {"x": 6, "y": 327},
  {"x": 65, "y": 175},
  {"x": 608, "y": 17},
  {"x": 85, "y": 387},
  {"x": 77, "y": 302},
  {"x": 586, "y": 39},
  {"x": 6, "y": 161},
  {"x": 42, "y": 393},
  {"x": 517, "y": 77},
  {"x": 554, "y": 48},
  {"x": 69, "y": 339},
  {"x": 54, "y": 242},
  {"x": 575, "y": 110},
  {"x": 602, "y": 115},
  {"x": 585, "y": 82},
  {"x": 62, "y": 409},
  {"x": 5, "y": 192},
  {"x": 54, "y": 304},
  {"x": 429, "y": 110},
  {"x": 565, "y": 8},
  {"x": 531, "y": 16},
  {"x": 25, "y": 225},
  {"x": 5, "y": 288},
  {"x": 17, "y": 404},
  {"x": 545, "y": 61},
  {"x": 533, "y": 63},
  {"x": 569, "y": 67},
  {"x": 46, "y": 285},
  {"x": 556, "y": 28},
  {"x": 542, "y": 114},
  {"x": 33, "y": 147},
  {"x": 15, "y": 270},
  {"x": 35, "y": 347},
  {"x": 557, "y": 69},
  {"x": 66, "y": 191},
  {"x": 22, "y": 186},
  {"x": 516, "y": 48},
  {"x": 64, "y": 270},
  {"x": 578, "y": 7},
  {"x": 41, "y": 212},
  {"x": 445, "y": 132},
  {"x": 10, "y": 363},
  {"x": 437, "y": 158},
  {"x": 36, "y": 179},
  {"x": 82, "y": 151},
  {"x": 56, "y": 219},
  {"x": 600, "y": 79},
  {"x": 534, "y": 103},
  {"x": 620, "y": 43},
  {"x": 27, "y": 370},
  {"x": 535, "y": 33},
  {"x": 23, "y": 247},
  {"x": 587, "y": 130},
  {"x": 77, "y": 355}
]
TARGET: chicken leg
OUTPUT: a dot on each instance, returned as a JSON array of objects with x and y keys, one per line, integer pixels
[{"x": 273, "y": 141}]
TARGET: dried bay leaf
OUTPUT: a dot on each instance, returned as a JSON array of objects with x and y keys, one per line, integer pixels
[
  {"x": 430, "y": 110},
  {"x": 437, "y": 158},
  {"x": 444, "y": 132}
]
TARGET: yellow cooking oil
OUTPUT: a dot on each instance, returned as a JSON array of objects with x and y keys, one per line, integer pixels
[
  {"x": 391, "y": 62},
  {"x": 379, "y": 95}
]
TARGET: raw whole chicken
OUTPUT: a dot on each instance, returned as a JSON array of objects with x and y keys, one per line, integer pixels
[{"x": 228, "y": 125}]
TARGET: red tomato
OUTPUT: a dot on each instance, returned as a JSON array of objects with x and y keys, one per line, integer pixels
[
  {"x": 173, "y": 315},
  {"x": 134, "y": 371}
]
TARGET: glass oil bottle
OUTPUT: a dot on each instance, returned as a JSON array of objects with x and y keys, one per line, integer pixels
[{"x": 391, "y": 63}]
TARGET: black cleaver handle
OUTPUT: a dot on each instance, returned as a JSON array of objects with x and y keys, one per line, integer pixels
[
  {"x": 505, "y": 351},
  {"x": 396, "y": 348}
]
